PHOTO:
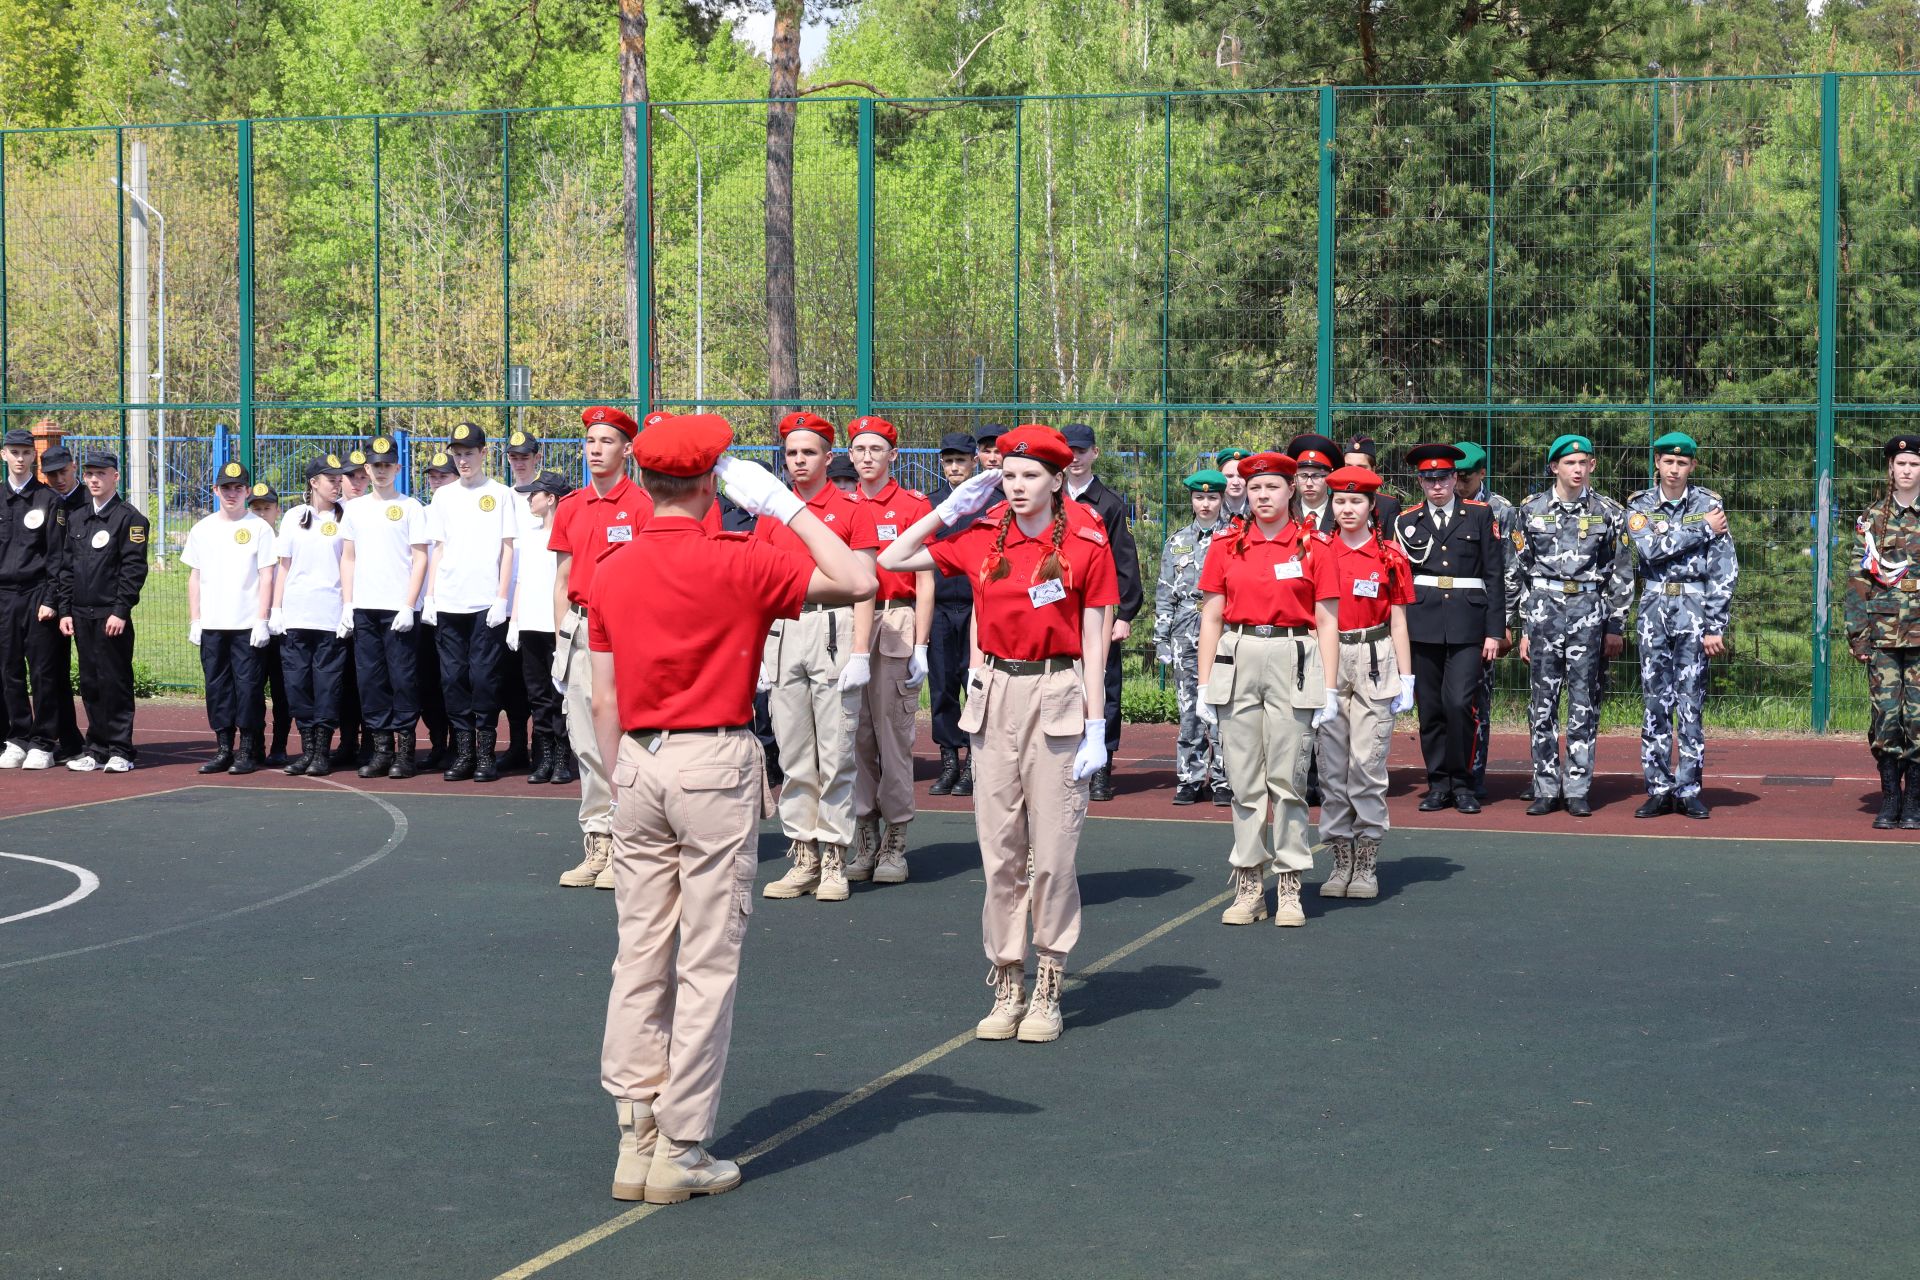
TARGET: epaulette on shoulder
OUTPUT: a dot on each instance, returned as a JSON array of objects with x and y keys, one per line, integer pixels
[
  {"x": 1322, "y": 536},
  {"x": 731, "y": 535},
  {"x": 1413, "y": 506},
  {"x": 1710, "y": 494},
  {"x": 1092, "y": 534},
  {"x": 1472, "y": 502},
  {"x": 917, "y": 494}
]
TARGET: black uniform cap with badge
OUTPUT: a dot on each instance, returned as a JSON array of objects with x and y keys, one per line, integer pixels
[
  {"x": 549, "y": 482},
  {"x": 233, "y": 473},
  {"x": 1902, "y": 444},
  {"x": 99, "y": 460},
  {"x": 260, "y": 495},
  {"x": 523, "y": 444},
  {"x": 56, "y": 458},
  {"x": 326, "y": 464},
  {"x": 17, "y": 438},
  {"x": 1432, "y": 460},
  {"x": 467, "y": 435},
  {"x": 381, "y": 451},
  {"x": 440, "y": 464}
]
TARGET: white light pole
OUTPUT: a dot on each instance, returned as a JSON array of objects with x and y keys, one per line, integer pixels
[
  {"x": 144, "y": 210},
  {"x": 699, "y": 265}
]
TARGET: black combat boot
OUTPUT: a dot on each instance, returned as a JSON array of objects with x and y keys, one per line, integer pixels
[
  {"x": 1910, "y": 808},
  {"x": 563, "y": 773},
  {"x": 1101, "y": 788},
  {"x": 1187, "y": 793},
  {"x": 404, "y": 765},
  {"x": 246, "y": 756},
  {"x": 460, "y": 768},
  {"x": 542, "y": 770},
  {"x": 322, "y": 763},
  {"x": 1888, "y": 819},
  {"x": 222, "y": 754},
  {"x": 949, "y": 772},
  {"x": 302, "y": 762},
  {"x": 381, "y": 761},
  {"x": 486, "y": 768},
  {"x": 964, "y": 785}
]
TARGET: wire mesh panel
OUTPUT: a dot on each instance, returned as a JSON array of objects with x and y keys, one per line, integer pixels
[
  {"x": 63, "y": 245},
  {"x": 185, "y": 206},
  {"x": 1878, "y": 355}
]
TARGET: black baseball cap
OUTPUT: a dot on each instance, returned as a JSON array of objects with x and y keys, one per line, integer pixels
[
  {"x": 988, "y": 432},
  {"x": 467, "y": 435},
  {"x": 523, "y": 443},
  {"x": 1078, "y": 435},
  {"x": 958, "y": 442},
  {"x": 326, "y": 464},
  {"x": 546, "y": 482},
  {"x": 56, "y": 458},
  {"x": 841, "y": 468},
  {"x": 100, "y": 458}
]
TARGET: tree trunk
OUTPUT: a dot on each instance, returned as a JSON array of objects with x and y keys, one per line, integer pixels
[
  {"x": 633, "y": 88},
  {"x": 783, "y": 343}
]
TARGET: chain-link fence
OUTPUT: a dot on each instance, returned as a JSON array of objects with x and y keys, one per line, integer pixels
[{"x": 1735, "y": 257}]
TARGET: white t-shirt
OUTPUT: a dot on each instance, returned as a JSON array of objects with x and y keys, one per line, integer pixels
[
  {"x": 468, "y": 526},
  {"x": 533, "y": 588},
  {"x": 384, "y": 533},
  {"x": 523, "y": 521},
  {"x": 230, "y": 555},
  {"x": 311, "y": 560}
]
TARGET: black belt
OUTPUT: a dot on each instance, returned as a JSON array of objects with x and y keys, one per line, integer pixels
[
  {"x": 1380, "y": 632},
  {"x": 638, "y": 734},
  {"x": 1030, "y": 667},
  {"x": 894, "y": 604},
  {"x": 579, "y": 610},
  {"x": 1249, "y": 629},
  {"x": 820, "y": 608}
]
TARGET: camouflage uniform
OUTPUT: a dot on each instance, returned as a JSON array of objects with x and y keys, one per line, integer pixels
[
  {"x": 1176, "y": 641},
  {"x": 1483, "y": 705},
  {"x": 1688, "y": 573},
  {"x": 1882, "y": 611},
  {"x": 1572, "y": 572}
]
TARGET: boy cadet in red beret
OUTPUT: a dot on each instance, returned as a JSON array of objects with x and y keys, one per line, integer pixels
[
  {"x": 676, "y": 623},
  {"x": 814, "y": 684},
  {"x": 896, "y": 661},
  {"x": 595, "y": 519}
]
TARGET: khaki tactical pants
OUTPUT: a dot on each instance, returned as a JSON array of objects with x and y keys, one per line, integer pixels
[
  {"x": 1025, "y": 731},
  {"x": 684, "y": 857},
  {"x": 813, "y": 724},
  {"x": 573, "y": 663},
  {"x": 1266, "y": 690},
  {"x": 883, "y": 743},
  {"x": 1354, "y": 744}
]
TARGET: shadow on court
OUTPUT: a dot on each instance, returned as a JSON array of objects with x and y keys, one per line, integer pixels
[
  {"x": 1396, "y": 876},
  {"x": 1116, "y": 993}
]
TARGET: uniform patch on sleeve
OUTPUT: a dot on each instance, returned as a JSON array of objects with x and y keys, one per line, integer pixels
[
  {"x": 136, "y": 533},
  {"x": 1519, "y": 540},
  {"x": 1096, "y": 536},
  {"x": 1637, "y": 521}
]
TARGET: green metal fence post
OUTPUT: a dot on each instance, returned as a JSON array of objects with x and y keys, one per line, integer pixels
[
  {"x": 5, "y": 386},
  {"x": 1166, "y": 305},
  {"x": 120, "y": 209},
  {"x": 1653, "y": 280},
  {"x": 246, "y": 292},
  {"x": 1019, "y": 112},
  {"x": 506, "y": 268},
  {"x": 1323, "y": 360},
  {"x": 1493, "y": 197},
  {"x": 863, "y": 300},
  {"x": 643, "y": 257},
  {"x": 1823, "y": 418},
  {"x": 379, "y": 340}
]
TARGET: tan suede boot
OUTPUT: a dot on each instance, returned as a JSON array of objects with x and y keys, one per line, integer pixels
[
  {"x": 891, "y": 868},
  {"x": 1366, "y": 881},
  {"x": 1335, "y": 885},
  {"x": 865, "y": 849},
  {"x": 833, "y": 874},
  {"x": 802, "y": 877},
  {"x": 1009, "y": 1003},
  {"x": 1249, "y": 905},
  {"x": 1286, "y": 900},
  {"x": 1042, "y": 1022},
  {"x": 637, "y": 1139},
  {"x": 599, "y": 851},
  {"x": 681, "y": 1170}
]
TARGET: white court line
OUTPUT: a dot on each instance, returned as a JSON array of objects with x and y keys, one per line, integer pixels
[
  {"x": 393, "y": 842},
  {"x": 88, "y": 883}
]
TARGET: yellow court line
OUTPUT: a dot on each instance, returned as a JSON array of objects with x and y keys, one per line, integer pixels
[
  {"x": 88, "y": 804},
  {"x": 586, "y": 1239}
]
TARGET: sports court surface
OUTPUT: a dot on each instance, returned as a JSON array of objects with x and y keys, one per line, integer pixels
[{"x": 350, "y": 1029}]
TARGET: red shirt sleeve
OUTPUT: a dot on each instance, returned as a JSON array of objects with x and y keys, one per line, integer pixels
[
  {"x": 960, "y": 554},
  {"x": 710, "y": 522},
  {"x": 1102, "y": 586},
  {"x": 560, "y": 540},
  {"x": 863, "y": 528},
  {"x": 1213, "y": 574},
  {"x": 1324, "y": 565},
  {"x": 777, "y": 578}
]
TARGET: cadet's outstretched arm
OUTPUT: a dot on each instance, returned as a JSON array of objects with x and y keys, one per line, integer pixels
[
  {"x": 908, "y": 553},
  {"x": 841, "y": 574}
]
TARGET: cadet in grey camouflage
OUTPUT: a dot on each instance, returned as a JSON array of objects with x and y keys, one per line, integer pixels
[
  {"x": 1198, "y": 765},
  {"x": 1687, "y": 568},
  {"x": 1572, "y": 568},
  {"x": 1470, "y": 482}
]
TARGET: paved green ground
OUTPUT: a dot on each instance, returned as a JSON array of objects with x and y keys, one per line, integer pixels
[{"x": 1604, "y": 1058}]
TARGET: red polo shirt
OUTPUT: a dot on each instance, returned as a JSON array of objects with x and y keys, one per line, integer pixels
[
  {"x": 1271, "y": 582},
  {"x": 878, "y": 520},
  {"x": 835, "y": 510},
  {"x": 1017, "y": 617},
  {"x": 1372, "y": 579},
  {"x": 685, "y": 614},
  {"x": 586, "y": 526}
]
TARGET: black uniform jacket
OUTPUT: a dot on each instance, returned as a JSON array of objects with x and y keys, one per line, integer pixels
[
  {"x": 1126, "y": 557},
  {"x": 1468, "y": 549},
  {"x": 104, "y": 564}
]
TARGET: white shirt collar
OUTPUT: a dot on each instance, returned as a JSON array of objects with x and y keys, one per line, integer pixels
[
  {"x": 100, "y": 505},
  {"x": 1075, "y": 493},
  {"x": 21, "y": 487}
]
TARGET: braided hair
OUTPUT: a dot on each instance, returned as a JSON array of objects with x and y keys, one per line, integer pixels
[{"x": 995, "y": 566}]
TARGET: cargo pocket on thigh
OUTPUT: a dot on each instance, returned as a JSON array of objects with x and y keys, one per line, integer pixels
[
  {"x": 1063, "y": 704},
  {"x": 890, "y": 643},
  {"x": 909, "y": 696},
  {"x": 973, "y": 716},
  {"x": 1309, "y": 679},
  {"x": 746, "y": 866},
  {"x": 1219, "y": 688}
]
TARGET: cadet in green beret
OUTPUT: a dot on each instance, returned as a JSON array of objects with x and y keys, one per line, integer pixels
[
  {"x": 1470, "y": 484},
  {"x": 1198, "y": 767},
  {"x": 1882, "y": 611}
]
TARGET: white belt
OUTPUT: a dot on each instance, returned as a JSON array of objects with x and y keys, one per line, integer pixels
[
  {"x": 1564, "y": 586},
  {"x": 1675, "y": 588},
  {"x": 1449, "y": 584}
]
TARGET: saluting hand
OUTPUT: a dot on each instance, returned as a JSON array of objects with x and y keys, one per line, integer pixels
[
  {"x": 971, "y": 496},
  {"x": 756, "y": 490}
]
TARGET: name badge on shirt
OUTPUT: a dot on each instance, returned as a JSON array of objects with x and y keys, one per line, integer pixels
[
  {"x": 1366, "y": 587},
  {"x": 35, "y": 518},
  {"x": 1052, "y": 591},
  {"x": 619, "y": 533},
  {"x": 101, "y": 538},
  {"x": 1287, "y": 569},
  {"x": 888, "y": 532}
]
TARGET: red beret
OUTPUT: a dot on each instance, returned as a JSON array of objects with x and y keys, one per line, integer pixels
[
  {"x": 684, "y": 446},
  {"x": 1267, "y": 464},
  {"x": 878, "y": 426},
  {"x": 658, "y": 415},
  {"x": 1354, "y": 480},
  {"x": 806, "y": 420},
  {"x": 607, "y": 415},
  {"x": 1041, "y": 443}
]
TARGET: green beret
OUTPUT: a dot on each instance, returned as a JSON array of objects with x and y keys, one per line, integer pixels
[
  {"x": 1206, "y": 482},
  {"x": 1233, "y": 455},
  {"x": 1472, "y": 456},
  {"x": 1569, "y": 444},
  {"x": 1676, "y": 442}
]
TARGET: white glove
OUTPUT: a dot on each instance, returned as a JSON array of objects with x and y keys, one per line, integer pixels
[
  {"x": 856, "y": 673},
  {"x": 497, "y": 611},
  {"x": 560, "y": 686},
  {"x": 431, "y": 614},
  {"x": 755, "y": 490},
  {"x": 403, "y": 619},
  {"x": 1404, "y": 702},
  {"x": 973, "y": 495},
  {"x": 193, "y": 633},
  {"x": 765, "y": 683},
  {"x": 917, "y": 667},
  {"x": 1327, "y": 711},
  {"x": 345, "y": 628},
  {"x": 275, "y": 624},
  {"x": 513, "y": 636},
  {"x": 261, "y": 635},
  {"x": 1092, "y": 754},
  {"x": 1208, "y": 713}
]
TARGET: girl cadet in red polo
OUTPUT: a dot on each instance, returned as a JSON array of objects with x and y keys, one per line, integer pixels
[
  {"x": 675, "y": 624},
  {"x": 1043, "y": 597},
  {"x": 1269, "y": 632},
  {"x": 1370, "y": 689}
]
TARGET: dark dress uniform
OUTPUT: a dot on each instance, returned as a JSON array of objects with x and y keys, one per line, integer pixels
[
  {"x": 32, "y": 530},
  {"x": 1112, "y": 510},
  {"x": 68, "y": 736},
  {"x": 1459, "y": 583},
  {"x": 100, "y": 577},
  {"x": 947, "y": 654}
]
